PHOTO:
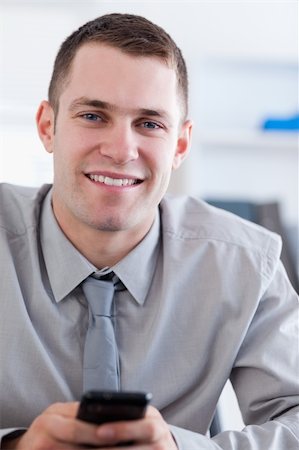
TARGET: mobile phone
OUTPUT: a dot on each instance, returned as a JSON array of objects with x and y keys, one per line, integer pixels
[{"x": 111, "y": 406}]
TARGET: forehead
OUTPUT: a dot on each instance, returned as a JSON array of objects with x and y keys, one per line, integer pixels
[{"x": 103, "y": 72}]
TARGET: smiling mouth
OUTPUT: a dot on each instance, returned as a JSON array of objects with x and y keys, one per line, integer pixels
[{"x": 114, "y": 181}]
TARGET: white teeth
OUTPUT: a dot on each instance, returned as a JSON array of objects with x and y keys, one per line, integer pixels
[{"x": 113, "y": 181}]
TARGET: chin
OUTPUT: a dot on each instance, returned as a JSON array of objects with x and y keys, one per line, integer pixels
[{"x": 109, "y": 224}]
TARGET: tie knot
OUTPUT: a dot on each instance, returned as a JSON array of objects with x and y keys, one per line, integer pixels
[
  {"x": 99, "y": 295},
  {"x": 110, "y": 276}
]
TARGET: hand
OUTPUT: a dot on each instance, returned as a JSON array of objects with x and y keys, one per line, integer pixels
[
  {"x": 58, "y": 429},
  {"x": 150, "y": 433}
]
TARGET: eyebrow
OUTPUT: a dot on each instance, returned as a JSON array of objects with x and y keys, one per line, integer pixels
[{"x": 100, "y": 104}]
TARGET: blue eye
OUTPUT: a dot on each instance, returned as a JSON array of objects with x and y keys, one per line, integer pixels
[
  {"x": 91, "y": 117},
  {"x": 151, "y": 125}
]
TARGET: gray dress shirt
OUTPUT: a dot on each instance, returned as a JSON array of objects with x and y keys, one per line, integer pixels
[{"x": 207, "y": 299}]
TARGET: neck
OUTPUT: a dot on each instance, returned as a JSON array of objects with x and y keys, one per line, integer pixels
[{"x": 102, "y": 248}]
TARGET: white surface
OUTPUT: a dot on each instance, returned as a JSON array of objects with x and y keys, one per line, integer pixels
[{"x": 229, "y": 412}]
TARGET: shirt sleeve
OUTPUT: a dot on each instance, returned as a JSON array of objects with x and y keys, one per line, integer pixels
[
  {"x": 264, "y": 377},
  {"x": 10, "y": 432},
  {"x": 274, "y": 435}
]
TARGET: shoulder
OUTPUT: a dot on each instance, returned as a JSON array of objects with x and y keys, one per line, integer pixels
[
  {"x": 190, "y": 219},
  {"x": 20, "y": 206}
]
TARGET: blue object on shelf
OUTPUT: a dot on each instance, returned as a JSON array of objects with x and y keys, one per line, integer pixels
[{"x": 282, "y": 124}]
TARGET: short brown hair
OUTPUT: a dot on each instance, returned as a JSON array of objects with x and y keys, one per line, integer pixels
[{"x": 132, "y": 34}]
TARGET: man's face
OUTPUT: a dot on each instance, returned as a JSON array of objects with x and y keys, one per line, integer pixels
[{"x": 118, "y": 135}]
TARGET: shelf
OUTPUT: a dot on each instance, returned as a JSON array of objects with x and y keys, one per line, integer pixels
[{"x": 249, "y": 139}]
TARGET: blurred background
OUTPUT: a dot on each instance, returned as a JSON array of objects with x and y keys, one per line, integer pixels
[{"x": 243, "y": 68}]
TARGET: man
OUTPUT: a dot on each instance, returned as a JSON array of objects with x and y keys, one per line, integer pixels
[{"x": 204, "y": 296}]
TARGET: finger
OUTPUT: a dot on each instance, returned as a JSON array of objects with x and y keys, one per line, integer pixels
[
  {"x": 64, "y": 430},
  {"x": 69, "y": 409},
  {"x": 151, "y": 429},
  {"x": 76, "y": 431}
]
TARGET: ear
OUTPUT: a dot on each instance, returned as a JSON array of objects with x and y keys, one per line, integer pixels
[
  {"x": 45, "y": 121},
  {"x": 183, "y": 144}
]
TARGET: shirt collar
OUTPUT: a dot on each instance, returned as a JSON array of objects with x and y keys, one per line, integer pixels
[
  {"x": 67, "y": 268},
  {"x": 136, "y": 270}
]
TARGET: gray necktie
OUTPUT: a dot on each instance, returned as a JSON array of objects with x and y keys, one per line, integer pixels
[{"x": 101, "y": 361}]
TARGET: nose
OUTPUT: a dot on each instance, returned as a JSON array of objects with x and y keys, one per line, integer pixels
[{"x": 120, "y": 144}]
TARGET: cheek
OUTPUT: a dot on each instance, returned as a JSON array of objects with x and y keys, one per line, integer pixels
[
  {"x": 167, "y": 162},
  {"x": 163, "y": 170},
  {"x": 160, "y": 155},
  {"x": 80, "y": 139},
  {"x": 63, "y": 161},
  {"x": 67, "y": 147}
]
